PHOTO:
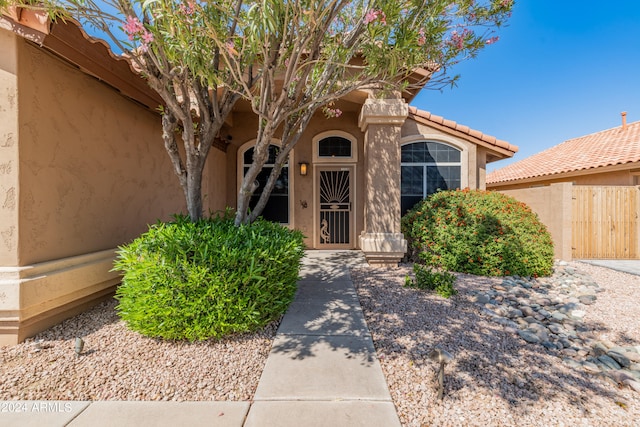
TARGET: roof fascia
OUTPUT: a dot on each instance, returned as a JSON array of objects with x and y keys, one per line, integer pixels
[
  {"x": 582, "y": 172},
  {"x": 66, "y": 40},
  {"x": 500, "y": 152}
]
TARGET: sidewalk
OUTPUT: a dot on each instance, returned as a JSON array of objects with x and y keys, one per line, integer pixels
[
  {"x": 322, "y": 371},
  {"x": 630, "y": 266}
]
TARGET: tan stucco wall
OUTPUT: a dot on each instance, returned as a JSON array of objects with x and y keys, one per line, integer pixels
[
  {"x": 93, "y": 169},
  {"x": 82, "y": 170},
  {"x": 481, "y": 168},
  {"x": 554, "y": 208},
  {"x": 214, "y": 182},
  {"x": 8, "y": 149}
]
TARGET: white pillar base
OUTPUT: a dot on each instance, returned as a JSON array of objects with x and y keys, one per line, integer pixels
[{"x": 383, "y": 249}]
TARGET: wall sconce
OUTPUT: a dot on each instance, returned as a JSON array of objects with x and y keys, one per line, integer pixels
[{"x": 304, "y": 168}]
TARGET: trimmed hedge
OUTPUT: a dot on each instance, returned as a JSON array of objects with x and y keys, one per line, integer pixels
[
  {"x": 478, "y": 232},
  {"x": 207, "y": 279}
]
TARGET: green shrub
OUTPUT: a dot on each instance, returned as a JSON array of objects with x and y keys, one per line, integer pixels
[
  {"x": 478, "y": 232},
  {"x": 429, "y": 279},
  {"x": 197, "y": 280}
]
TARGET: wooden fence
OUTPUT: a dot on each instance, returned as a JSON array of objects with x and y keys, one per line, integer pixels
[{"x": 605, "y": 222}]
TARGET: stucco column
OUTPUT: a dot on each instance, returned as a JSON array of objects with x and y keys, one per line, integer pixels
[{"x": 381, "y": 240}]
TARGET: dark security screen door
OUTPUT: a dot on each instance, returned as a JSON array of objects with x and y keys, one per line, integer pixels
[{"x": 335, "y": 207}]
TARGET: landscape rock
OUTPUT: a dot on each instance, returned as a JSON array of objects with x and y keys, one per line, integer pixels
[
  {"x": 549, "y": 312},
  {"x": 608, "y": 362},
  {"x": 620, "y": 358},
  {"x": 529, "y": 336}
]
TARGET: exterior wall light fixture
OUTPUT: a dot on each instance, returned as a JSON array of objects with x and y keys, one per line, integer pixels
[{"x": 304, "y": 166}]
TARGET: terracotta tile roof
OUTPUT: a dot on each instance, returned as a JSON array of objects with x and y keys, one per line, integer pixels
[
  {"x": 450, "y": 126},
  {"x": 606, "y": 148}
]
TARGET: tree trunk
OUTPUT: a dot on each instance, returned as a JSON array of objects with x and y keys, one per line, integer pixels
[
  {"x": 193, "y": 190},
  {"x": 271, "y": 182},
  {"x": 247, "y": 188}
]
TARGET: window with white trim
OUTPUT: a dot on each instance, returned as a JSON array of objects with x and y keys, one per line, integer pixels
[
  {"x": 277, "y": 208},
  {"x": 335, "y": 146},
  {"x": 426, "y": 167}
]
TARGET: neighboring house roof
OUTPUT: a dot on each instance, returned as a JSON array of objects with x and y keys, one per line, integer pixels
[
  {"x": 449, "y": 126},
  {"x": 617, "y": 146}
]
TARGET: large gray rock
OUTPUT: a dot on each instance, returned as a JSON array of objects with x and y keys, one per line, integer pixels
[
  {"x": 620, "y": 358},
  {"x": 558, "y": 316},
  {"x": 599, "y": 349},
  {"x": 481, "y": 298},
  {"x": 544, "y": 313},
  {"x": 526, "y": 310},
  {"x": 608, "y": 362},
  {"x": 529, "y": 336},
  {"x": 587, "y": 299},
  {"x": 590, "y": 366},
  {"x": 556, "y": 328},
  {"x": 515, "y": 313}
]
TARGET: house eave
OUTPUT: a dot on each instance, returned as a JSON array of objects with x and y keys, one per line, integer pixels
[
  {"x": 496, "y": 152},
  {"x": 66, "y": 40}
]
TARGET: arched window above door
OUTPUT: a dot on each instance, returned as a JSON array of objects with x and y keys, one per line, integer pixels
[{"x": 335, "y": 147}]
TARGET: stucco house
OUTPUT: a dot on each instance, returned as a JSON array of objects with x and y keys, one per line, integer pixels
[
  {"x": 83, "y": 170},
  {"x": 585, "y": 190}
]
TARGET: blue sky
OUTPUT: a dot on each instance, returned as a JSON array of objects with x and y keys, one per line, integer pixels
[{"x": 562, "y": 69}]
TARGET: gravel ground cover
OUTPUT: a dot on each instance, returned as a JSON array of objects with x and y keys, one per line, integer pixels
[
  {"x": 496, "y": 378},
  {"x": 118, "y": 364}
]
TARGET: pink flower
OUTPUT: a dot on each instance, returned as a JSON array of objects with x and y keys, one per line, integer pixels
[
  {"x": 132, "y": 26},
  {"x": 147, "y": 37},
  {"x": 332, "y": 112},
  {"x": 370, "y": 17},
  {"x": 458, "y": 39},
  {"x": 375, "y": 15},
  {"x": 422, "y": 39},
  {"x": 189, "y": 9},
  {"x": 492, "y": 40},
  {"x": 383, "y": 18}
]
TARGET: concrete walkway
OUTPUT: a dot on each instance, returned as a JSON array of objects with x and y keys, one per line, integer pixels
[
  {"x": 322, "y": 371},
  {"x": 631, "y": 266}
]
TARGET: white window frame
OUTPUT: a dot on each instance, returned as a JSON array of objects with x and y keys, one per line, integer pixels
[
  {"x": 316, "y": 147},
  {"x": 464, "y": 179}
]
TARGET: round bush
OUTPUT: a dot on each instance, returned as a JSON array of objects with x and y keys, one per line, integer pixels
[
  {"x": 478, "y": 232},
  {"x": 206, "y": 279}
]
